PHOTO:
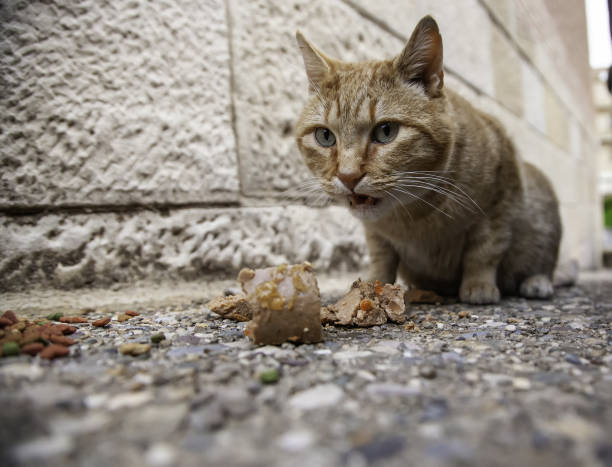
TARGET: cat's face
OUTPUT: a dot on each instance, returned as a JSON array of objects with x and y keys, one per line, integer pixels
[{"x": 369, "y": 129}]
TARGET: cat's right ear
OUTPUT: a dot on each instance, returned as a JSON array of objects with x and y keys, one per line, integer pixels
[
  {"x": 421, "y": 60},
  {"x": 317, "y": 64}
]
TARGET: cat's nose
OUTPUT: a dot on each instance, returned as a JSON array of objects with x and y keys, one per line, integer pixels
[{"x": 350, "y": 179}]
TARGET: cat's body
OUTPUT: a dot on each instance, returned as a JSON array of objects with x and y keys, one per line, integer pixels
[{"x": 443, "y": 196}]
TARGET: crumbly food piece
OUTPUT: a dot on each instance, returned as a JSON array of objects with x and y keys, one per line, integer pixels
[
  {"x": 233, "y": 307},
  {"x": 367, "y": 304},
  {"x": 286, "y": 304}
]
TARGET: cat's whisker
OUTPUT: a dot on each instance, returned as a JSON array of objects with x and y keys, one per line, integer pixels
[
  {"x": 433, "y": 177},
  {"x": 454, "y": 196},
  {"x": 443, "y": 180},
  {"x": 403, "y": 206},
  {"x": 423, "y": 200}
]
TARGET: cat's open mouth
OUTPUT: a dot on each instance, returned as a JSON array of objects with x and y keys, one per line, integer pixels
[{"x": 362, "y": 200}]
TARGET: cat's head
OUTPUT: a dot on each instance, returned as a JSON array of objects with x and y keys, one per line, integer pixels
[{"x": 366, "y": 125}]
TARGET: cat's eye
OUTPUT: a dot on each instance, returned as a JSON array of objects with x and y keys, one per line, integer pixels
[
  {"x": 325, "y": 137},
  {"x": 385, "y": 132}
]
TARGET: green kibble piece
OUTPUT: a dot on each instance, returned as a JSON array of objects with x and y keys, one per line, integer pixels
[
  {"x": 10, "y": 349},
  {"x": 55, "y": 316},
  {"x": 157, "y": 338},
  {"x": 269, "y": 376}
]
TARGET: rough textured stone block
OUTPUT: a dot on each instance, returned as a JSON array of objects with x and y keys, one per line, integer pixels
[
  {"x": 556, "y": 120},
  {"x": 115, "y": 102},
  {"x": 97, "y": 249},
  {"x": 507, "y": 73},
  {"x": 465, "y": 29},
  {"x": 533, "y": 97},
  {"x": 270, "y": 82}
]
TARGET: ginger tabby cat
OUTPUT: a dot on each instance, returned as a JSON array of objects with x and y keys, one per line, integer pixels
[{"x": 445, "y": 200}]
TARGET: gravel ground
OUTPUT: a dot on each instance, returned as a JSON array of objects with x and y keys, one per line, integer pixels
[{"x": 520, "y": 383}]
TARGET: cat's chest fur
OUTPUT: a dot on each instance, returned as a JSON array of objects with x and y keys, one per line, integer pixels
[{"x": 430, "y": 252}]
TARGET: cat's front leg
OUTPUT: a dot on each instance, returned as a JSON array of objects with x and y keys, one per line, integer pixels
[
  {"x": 383, "y": 259},
  {"x": 485, "y": 247}
]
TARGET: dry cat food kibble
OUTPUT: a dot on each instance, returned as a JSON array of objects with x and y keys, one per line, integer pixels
[
  {"x": 101, "y": 322},
  {"x": 367, "y": 304},
  {"x": 41, "y": 337}
]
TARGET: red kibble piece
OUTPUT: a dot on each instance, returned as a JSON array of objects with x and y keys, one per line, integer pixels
[
  {"x": 33, "y": 348},
  {"x": 10, "y": 316},
  {"x": 53, "y": 351},
  {"x": 132, "y": 313},
  {"x": 72, "y": 319},
  {"x": 101, "y": 322},
  {"x": 62, "y": 340}
]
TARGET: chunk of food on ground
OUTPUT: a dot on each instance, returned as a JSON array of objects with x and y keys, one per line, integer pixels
[
  {"x": 286, "y": 304},
  {"x": 234, "y": 307},
  {"x": 367, "y": 304}
]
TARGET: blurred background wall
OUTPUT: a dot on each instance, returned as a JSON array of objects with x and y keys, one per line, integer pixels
[{"x": 154, "y": 139}]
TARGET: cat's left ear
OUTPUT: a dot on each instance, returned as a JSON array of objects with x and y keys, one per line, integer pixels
[
  {"x": 421, "y": 60},
  {"x": 317, "y": 64}
]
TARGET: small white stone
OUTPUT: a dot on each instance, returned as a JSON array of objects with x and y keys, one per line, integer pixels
[
  {"x": 386, "y": 346},
  {"x": 351, "y": 354},
  {"x": 160, "y": 454},
  {"x": 391, "y": 390},
  {"x": 321, "y": 396},
  {"x": 95, "y": 401},
  {"x": 522, "y": 384},
  {"x": 129, "y": 399},
  {"x": 511, "y": 328},
  {"x": 28, "y": 371},
  {"x": 295, "y": 441},
  {"x": 43, "y": 448},
  {"x": 440, "y": 325}
]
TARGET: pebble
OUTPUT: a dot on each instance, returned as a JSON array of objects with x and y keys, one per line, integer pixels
[
  {"x": 43, "y": 449},
  {"x": 428, "y": 372},
  {"x": 522, "y": 384},
  {"x": 160, "y": 455},
  {"x": 391, "y": 390},
  {"x": 134, "y": 349},
  {"x": 510, "y": 328},
  {"x": 296, "y": 441},
  {"x": 129, "y": 400},
  {"x": 317, "y": 397}
]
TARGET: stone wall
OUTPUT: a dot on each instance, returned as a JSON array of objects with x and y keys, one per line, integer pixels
[{"x": 155, "y": 139}]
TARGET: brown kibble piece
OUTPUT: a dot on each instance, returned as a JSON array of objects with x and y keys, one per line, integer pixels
[
  {"x": 62, "y": 340},
  {"x": 463, "y": 314},
  {"x": 62, "y": 329},
  {"x": 233, "y": 307},
  {"x": 10, "y": 316},
  {"x": 132, "y": 313},
  {"x": 32, "y": 348},
  {"x": 53, "y": 351},
  {"x": 5, "y": 322},
  {"x": 101, "y": 322},
  {"x": 72, "y": 319}
]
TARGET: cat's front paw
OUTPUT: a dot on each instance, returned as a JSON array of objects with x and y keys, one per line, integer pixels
[
  {"x": 538, "y": 286},
  {"x": 479, "y": 293}
]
